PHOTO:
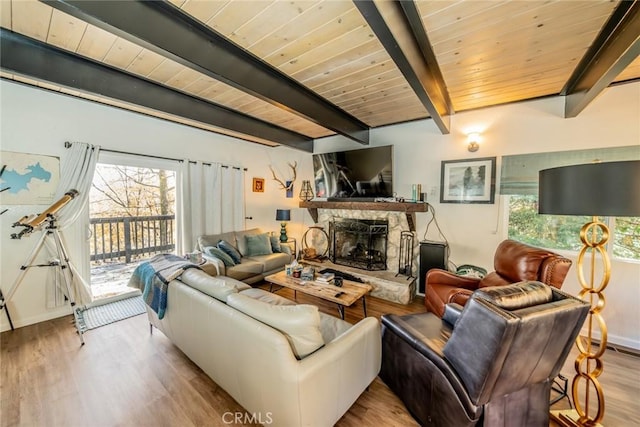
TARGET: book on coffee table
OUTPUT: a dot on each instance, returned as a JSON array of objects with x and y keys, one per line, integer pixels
[
  {"x": 308, "y": 273},
  {"x": 326, "y": 278}
]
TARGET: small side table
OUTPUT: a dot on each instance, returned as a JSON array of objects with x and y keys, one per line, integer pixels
[{"x": 291, "y": 242}]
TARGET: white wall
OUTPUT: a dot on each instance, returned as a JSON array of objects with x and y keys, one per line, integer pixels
[
  {"x": 37, "y": 121},
  {"x": 474, "y": 231}
]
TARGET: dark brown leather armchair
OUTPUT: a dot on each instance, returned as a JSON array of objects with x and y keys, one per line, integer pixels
[
  {"x": 513, "y": 262},
  {"x": 492, "y": 365}
]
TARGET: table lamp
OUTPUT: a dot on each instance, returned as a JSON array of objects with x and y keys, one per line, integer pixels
[
  {"x": 597, "y": 189},
  {"x": 283, "y": 215}
]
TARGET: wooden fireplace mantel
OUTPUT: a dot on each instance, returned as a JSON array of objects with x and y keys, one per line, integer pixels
[{"x": 409, "y": 209}]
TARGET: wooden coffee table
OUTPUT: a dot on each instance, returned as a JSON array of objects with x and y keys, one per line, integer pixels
[{"x": 343, "y": 296}]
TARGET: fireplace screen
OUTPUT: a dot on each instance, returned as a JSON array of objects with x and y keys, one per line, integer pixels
[{"x": 359, "y": 243}]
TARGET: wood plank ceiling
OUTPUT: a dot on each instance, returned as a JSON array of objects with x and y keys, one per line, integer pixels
[{"x": 488, "y": 53}]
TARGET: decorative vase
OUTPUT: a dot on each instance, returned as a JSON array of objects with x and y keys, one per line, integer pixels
[{"x": 306, "y": 192}]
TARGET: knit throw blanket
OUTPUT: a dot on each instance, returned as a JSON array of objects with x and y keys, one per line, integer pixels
[{"x": 152, "y": 278}]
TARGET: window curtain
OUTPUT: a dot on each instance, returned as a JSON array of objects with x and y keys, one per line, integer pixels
[
  {"x": 519, "y": 174},
  {"x": 211, "y": 201},
  {"x": 233, "y": 192},
  {"x": 77, "y": 167}
]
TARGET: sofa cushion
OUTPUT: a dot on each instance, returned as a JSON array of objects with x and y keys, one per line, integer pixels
[
  {"x": 220, "y": 254},
  {"x": 275, "y": 243},
  {"x": 268, "y": 297},
  {"x": 332, "y": 327},
  {"x": 246, "y": 269},
  {"x": 241, "y": 242},
  {"x": 271, "y": 261},
  {"x": 230, "y": 250},
  {"x": 299, "y": 323},
  {"x": 241, "y": 286},
  {"x": 213, "y": 286},
  {"x": 258, "y": 244},
  {"x": 213, "y": 239},
  {"x": 238, "y": 274}
]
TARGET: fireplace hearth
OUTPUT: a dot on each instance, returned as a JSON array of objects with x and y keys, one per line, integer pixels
[
  {"x": 386, "y": 283},
  {"x": 359, "y": 243}
]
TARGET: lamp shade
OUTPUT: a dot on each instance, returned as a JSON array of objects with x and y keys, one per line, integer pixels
[
  {"x": 283, "y": 214},
  {"x": 595, "y": 189}
]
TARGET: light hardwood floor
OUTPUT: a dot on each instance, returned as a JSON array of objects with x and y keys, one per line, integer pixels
[{"x": 124, "y": 376}]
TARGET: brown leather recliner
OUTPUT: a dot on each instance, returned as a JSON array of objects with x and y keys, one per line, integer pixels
[{"x": 513, "y": 262}]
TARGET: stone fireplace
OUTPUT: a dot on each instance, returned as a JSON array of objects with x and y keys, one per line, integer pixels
[
  {"x": 398, "y": 217},
  {"x": 396, "y": 222},
  {"x": 359, "y": 243}
]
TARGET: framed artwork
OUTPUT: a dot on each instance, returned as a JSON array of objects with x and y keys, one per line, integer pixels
[
  {"x": 28, "y": 179},
  {"x": 258, "y": 185},
  {"x": 289, "y": 189},
  {"x": 468, "y": 181}
]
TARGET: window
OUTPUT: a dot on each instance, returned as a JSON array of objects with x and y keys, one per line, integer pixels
[
  {"x": 519, "y": 181},
  {"x": 626, "y": 241},
  {"x": 563, "y": 232},
  {"x": 132, "y": 218}
]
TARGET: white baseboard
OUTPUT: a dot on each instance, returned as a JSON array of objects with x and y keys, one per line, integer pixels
[
  {"x": 26, "y": 321},
  {"x": 614, "y": 340}
]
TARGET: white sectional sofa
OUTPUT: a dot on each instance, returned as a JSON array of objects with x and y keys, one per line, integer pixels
[{"x": 256, "y": 363}]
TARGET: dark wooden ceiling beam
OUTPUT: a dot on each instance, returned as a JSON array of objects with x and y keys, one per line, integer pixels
[
  {"x": 29, "y": 57},
  {"x": 398, "y": 26},
  {"x": 616, "y": 46},
  {"x": 165, "y": 29}
]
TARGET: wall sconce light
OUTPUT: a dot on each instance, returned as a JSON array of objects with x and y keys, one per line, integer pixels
[{"x": 473, "y": 139}]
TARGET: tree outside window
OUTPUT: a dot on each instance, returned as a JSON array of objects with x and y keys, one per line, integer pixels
[
  {"x": 132, "y": 191},
  {"x": 626, "y": 243},
  {"x": 132, "y": 212},
  {"x": 563, "y": 232}
]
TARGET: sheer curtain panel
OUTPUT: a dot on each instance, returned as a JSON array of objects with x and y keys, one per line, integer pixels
[
  {"x": 77, "y": 166},
  {"x": 233, "y": 196},
  {"x": 211, "y": 201}
]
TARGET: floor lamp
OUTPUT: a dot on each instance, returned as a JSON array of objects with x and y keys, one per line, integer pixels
[{"x": 597, "y": 190}]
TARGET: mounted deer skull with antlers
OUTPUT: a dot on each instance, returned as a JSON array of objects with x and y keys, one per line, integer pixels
[{"x": 291, "y": 181}]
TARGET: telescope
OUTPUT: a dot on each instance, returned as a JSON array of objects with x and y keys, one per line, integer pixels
[{"x": 31, "y": 222}]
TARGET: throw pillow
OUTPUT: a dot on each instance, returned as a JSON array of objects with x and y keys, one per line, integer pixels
[
  {"x": 213, "y": 239},
  {"x": 258, "y": 244},
  {"x": 230, "y": 250},
  {"x": 300, "y": 324},
  {"x": 220, "y": 254},
  {"x": 275, "y": 244},
  {"x": 241, "y": 243}
]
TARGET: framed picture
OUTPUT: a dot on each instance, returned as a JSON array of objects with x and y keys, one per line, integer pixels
[
  {"x": 289, "y": 191},
  {"x": 258, "y": 185},
  {"x": 468, "y": 181}
]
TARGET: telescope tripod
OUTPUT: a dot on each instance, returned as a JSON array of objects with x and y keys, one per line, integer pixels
[{"x": 61, "y": 264}]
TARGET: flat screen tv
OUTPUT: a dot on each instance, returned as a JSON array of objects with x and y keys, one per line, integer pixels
[{"x": 355, "y": 174}]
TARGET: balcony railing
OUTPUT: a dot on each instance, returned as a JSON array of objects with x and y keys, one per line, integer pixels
[{"x": 126, "y": 238}]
